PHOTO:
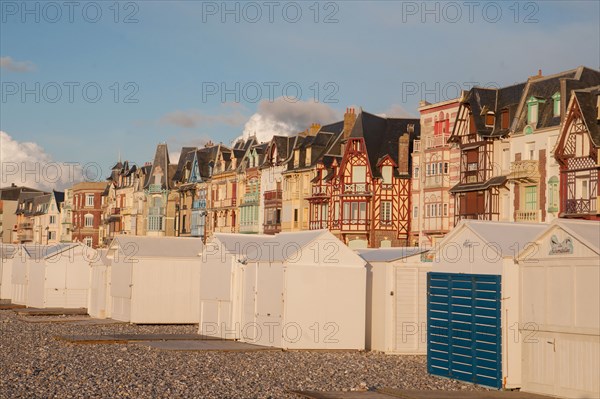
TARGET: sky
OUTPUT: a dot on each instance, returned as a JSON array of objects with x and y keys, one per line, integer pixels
[{"x": 84, "y": 83}]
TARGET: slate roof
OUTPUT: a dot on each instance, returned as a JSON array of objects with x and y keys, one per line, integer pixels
[
  {"x": 482, "y": 100},
  {"x": 186, "y": 158},
  {"x": 27, "y": 198},
  {"x": 12, "y": 193},
  {"x": 545, "y": 87},
  {"x": 381, "y": 137},
  {"x": 161, "y": 159}
]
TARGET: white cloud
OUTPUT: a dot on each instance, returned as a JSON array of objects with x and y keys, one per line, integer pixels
[
  {"x": 285, "y": 118},
  {"x": 396, "y": 111},
  {"x": 28, "y": 164},
  {"x": 16, "y": 66},
  {"x": 195, "y": 118}
]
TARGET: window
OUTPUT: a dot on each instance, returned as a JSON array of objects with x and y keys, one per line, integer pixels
[
  {"x": 359, "y": 174},
  {"x": 386, "y": 173},
  {"x": 445, "y": 168},
  {"x": 416, "y": 172},
  {"x": 295, "y": 215},
  {"x": 355, "y": 211},
  {"x": 553, "y": 194},
  {"x": 504, "y": 119},
  {"x": 52, "y": 219},
  {"x": 386, "y": 212},
  {"x": 51, "y": 235},
  {"x": 88, "y": 241},
  {"x": 445, "y": 209},
  {"x": 89, "y": 200},
  {"x": 533, "y": 110},
  {"x": 583, "y": 188},
  {"x": 89, "y": 220},
  {"x": 556, "y": 104},
  {"x": 183, "y": 223},
  {"x": 490, "y": 119},
  {"x": 530, "y": 151},
  {"x": 531, "y": 198},
  {"x": 415, "y": 211}
]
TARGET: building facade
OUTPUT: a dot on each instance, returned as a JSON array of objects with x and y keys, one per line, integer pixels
[
  {"x": 435, "y": 169},
  {"x": 87, "y": 212}
]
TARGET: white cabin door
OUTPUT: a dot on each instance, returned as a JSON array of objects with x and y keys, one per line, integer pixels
[
  {"x": 269, "y": 305},
  {"x": 248, "y": 328}
]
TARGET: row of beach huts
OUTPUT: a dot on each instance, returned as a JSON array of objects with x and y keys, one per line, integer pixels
[{"x": 503, "y": 305}]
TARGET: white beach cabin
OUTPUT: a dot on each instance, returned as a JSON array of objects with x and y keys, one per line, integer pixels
[
  {"x": 8, "y": 252},
  {"x": 58, "y": 275},
  {"x": 473, "y": 303},
  {"x": 303, "y": 290},
  {"x": 154, "y": 280},
  {"x": 397, "y": 299},
  {"x": 99, "y": 293},
  {"x": 560, "y": 310}
]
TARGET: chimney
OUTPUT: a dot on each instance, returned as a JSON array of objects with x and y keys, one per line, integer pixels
[
  {"x": 349, "y": 119},
  {"x": 538, "y": 76},
  {"x": 314, "y": 128},
  {"x": 423, "y": 103},
  {"x": 403, "y": 144}
]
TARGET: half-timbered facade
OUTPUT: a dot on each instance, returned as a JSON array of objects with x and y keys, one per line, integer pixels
[
  {"x": 578, "y": 153},
  {"x": 482, "y": 122},
  {"x": 534, "y": 171},
  {"x": 435, "y": 169},
  {"x": 361, "y": 190}
]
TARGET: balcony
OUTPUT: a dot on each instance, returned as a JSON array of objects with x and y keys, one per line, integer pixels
[
  {"x": 581, "y": 206},
  {"x": 25, "y": 236},
  {"x": 273, "y": 198},
  {"x": 437, "y": 141},
  {"x": 115, "y": 211},
  {"x": 529, "y": 216},
  {"x": 435, "y": 181},
  {"x": 319, "y": 190},
  {"x": 272, "y": 228},
  {"x": 524, "y": 171},
  {"x": 155, "y": 188},
  {"x": 416, "y": 145},
  {"x": 356, "y": 188},
  {"x": 26, "y": 226},
  {"x": 251, "y": 198},
  {"x": 317, "y": 224},
  {"x": 224, "y": 203}
]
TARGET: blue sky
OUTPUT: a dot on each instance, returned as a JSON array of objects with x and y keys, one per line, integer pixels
[{"x": 371, "y": 54}]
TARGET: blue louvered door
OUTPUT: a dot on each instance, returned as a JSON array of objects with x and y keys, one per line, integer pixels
[{"x": 464, "y": 330}]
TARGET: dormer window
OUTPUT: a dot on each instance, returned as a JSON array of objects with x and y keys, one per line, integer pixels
[
  {"x": 533, "y": 110},
  {"x": 296, "y": 158},
  {"x": 504, "y": 119},
  {"x": 556, "y": 104},
  {"x": 490, "y": 119},
  {"x": 386, "y": 174}
]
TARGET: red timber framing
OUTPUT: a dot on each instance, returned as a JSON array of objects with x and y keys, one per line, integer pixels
[
  {"x": 579, "y": 168},
  {"x": 353, "y": 204},
  {"x": 474, "y": 199}
]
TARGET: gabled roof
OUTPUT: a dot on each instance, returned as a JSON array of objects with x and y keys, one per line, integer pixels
[
  {"x": 134, "y": 247},
  {"x": 507, "y": 237},
  {"x": 381, "y": 136},
  {"x": 587, "y": 100},
  {"x": 186, "y": 157}
]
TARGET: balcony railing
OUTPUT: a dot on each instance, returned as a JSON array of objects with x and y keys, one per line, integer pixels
[
  {"x": 274, "y": 196},
  {"x": 115, "y": 211},
  {"x": 155, "y": 188},
  {"x": 251, "y": 198},
  {"x": 272, "y": 228},
  {"x": 524, "y": 170},
  {"x": 26, "y": 225},
  {"x": 25, "y": 236},
  {"x": 319, "y": 190},
  {"x": 317, "y": 225},
  {"x": 356, "y": 188},
  {"x": 529, "y": 216},
  {"x": 224, "y": 203},
  {"x": 581, "y": 206},
  {"x": 437, "y": 141}
]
